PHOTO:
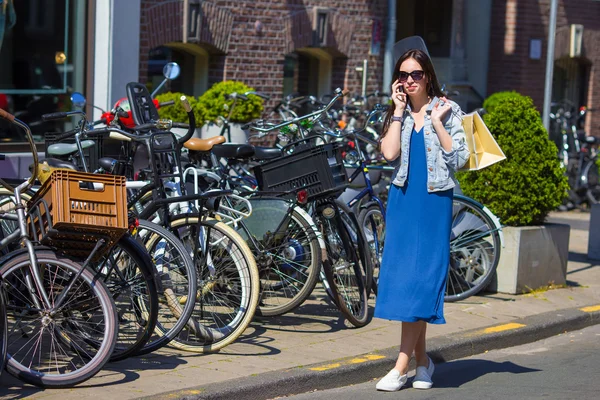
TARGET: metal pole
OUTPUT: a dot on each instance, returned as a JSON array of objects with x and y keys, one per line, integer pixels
[
  {"x": 364, "y": 78},
  {"x": 186, "y": 18},
  {"x": 549, "y": 64},
  {"x": 389, "y": 46}
]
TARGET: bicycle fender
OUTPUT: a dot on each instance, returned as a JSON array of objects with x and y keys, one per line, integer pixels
[
  {"x": 17, "y": 252},
  {"x": 496, "y": 220},
  {"x": 496, "y": 223}
]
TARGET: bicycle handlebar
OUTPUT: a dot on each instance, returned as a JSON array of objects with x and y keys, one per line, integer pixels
[
  {"x": 264, "y": 131},
  {"x": 27, "y": 184},
  {"x": 261, "y": 95}
]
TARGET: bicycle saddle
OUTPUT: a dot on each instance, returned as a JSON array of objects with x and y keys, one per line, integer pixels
[
  {"x": 197, "y": 144},
  {"x": 66, "y": 149},
  {"x": 266, "y": 153},
  {"x": 233, "y": 150}
]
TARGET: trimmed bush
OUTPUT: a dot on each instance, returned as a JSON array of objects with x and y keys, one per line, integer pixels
[
  {"x": 530, "y": 183},
  {"x": 174, "y": 112},
  {"x": 491, "y": 102},
  {"x": 213, "y": 103}
]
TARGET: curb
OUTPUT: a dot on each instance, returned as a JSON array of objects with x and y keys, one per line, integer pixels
[{"x": 353, "y": 370}]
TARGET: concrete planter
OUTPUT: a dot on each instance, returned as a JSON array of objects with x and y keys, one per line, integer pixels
[
  {"x": 594, "y": 233},
  {"x": 533, "y": 256},
  {"x": 238, "y": 135}
]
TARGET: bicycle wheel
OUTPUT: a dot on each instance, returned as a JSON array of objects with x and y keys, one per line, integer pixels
[
  {"x": 127, "y": 272},
  {"x": 3, "y": 328},
  {"x": 474, "y": 250},
  {"x": 372, "y": 223},
  {"x": 287, "y": 252},
  {"x": 43, "y": 347},
  {"x": 176, "y": 280},
  {"x": 7, "y": 226},
  {"x": 347, "y": 267},
  {"x": 228, "y": 284}
]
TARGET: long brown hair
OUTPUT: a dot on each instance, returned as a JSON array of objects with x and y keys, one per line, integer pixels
[{"x": 433, "y": 87}]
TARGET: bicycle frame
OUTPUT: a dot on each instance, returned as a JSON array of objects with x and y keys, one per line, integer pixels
[{"x": 368, "y": 190}]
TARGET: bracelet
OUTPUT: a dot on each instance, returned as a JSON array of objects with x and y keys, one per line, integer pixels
[{"x": 397, "y": 119}]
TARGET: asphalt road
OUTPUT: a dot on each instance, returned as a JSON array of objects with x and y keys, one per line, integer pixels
[{"x": 562, "y": 367}]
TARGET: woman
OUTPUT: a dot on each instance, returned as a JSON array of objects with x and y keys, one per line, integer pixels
[{"x": 424, "y": 140}]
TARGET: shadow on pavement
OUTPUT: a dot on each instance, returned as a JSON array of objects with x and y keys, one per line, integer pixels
[
  {"x": 112, "y": 373},
  {"x": 456, "y": 373}
]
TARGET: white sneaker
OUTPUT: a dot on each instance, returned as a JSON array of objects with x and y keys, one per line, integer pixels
[
  {"x": 392, "y": 382},
  {"x": 423, "y": 377}
]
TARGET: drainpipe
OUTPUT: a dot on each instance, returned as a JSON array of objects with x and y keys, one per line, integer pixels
[
  {"x": 549, "y": 64},
  {"x": 390, "y": 40}
]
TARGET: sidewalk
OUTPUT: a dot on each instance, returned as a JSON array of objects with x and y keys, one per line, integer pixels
[{"x": 315, "y": 334}]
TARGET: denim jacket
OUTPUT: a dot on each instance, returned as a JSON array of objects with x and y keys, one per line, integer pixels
[{"x": 441, "y": 164}]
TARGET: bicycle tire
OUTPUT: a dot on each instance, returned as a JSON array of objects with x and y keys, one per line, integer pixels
[
  {"x": 474, "y": 250},
  {"x": 204, "y": 332},
  {"x": 372, "y": 222},
  {"x": 349, "y": 289},
  {"x": 106, "y": 320},
  {"x": 3, "y": 327},
  {"x": 177, "y": 282},
  {"x": 133, "y": 288},
  {"x": 288, "y": 260}
]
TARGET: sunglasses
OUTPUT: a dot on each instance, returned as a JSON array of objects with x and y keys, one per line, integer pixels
[{"x": 416, "y": 75}]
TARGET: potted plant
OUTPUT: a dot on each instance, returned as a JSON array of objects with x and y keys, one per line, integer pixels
[
  {"x": 521, "y": 191},
  {"x": 216, "y": 104}
]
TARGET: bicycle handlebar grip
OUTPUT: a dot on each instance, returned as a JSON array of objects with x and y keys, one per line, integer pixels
[
  {"x": 119, "y": 136},
  {"x": 262, "y": 95},
  {"x": 57, "y": 115},
  {"x": 185, "y": 103},
  {"x": 345, "y": 92},
  {"x": 191, "y": 120},
  {"x": 144, "y": 127},
  {"x": 167, "y": 103},
  {"x": 6, "y": 115},
  {"x": 65, "y": 135}
]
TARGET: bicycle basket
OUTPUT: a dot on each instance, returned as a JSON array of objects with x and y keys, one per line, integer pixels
[
  {"x": 317, "y": 169},
  {"x": 73, "y": 210}
]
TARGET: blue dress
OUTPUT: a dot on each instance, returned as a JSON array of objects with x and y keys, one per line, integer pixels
[{"x": 416, "y": 255}]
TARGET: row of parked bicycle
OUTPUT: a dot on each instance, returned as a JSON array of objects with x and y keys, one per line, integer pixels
[
  {"x": 578, "y": 153},
  {"x": 181, "y": 241}
]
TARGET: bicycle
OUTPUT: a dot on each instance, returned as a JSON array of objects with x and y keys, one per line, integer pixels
[
  {"x": 227, "y": 276},
  {"x": 62, "y": 322},
  {"x": 476, "y": 237},
  {"x": 317, "y": 172},
  {"x": 578, "y": 154}
]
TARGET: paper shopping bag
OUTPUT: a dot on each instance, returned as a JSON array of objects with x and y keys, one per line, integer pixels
[{"x": 482, "y": 145}]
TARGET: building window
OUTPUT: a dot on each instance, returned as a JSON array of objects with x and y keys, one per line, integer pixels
[
  {"x": 41, "y": 61},
  {"x": 430, "y": 19},
  {"x": 193, "y": 61}
]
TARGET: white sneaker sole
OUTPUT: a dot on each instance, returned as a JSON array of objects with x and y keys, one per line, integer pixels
[
  {"x": 388, "y": 388},
  {"x": 422, "y": 385}
]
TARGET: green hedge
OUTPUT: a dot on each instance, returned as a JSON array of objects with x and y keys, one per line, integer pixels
[
  {"x": 530, "y": 183},
  {"x": 213, "y": 103}
]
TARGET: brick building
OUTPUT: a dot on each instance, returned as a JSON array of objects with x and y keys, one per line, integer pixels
[
  {"x": 478, "y": 46},
  {"x": 517, "y": 25},
  {"x": 309, "y": 46}
]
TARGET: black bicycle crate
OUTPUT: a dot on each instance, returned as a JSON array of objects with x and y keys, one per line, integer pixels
[{"x": 317, "y": 169}]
